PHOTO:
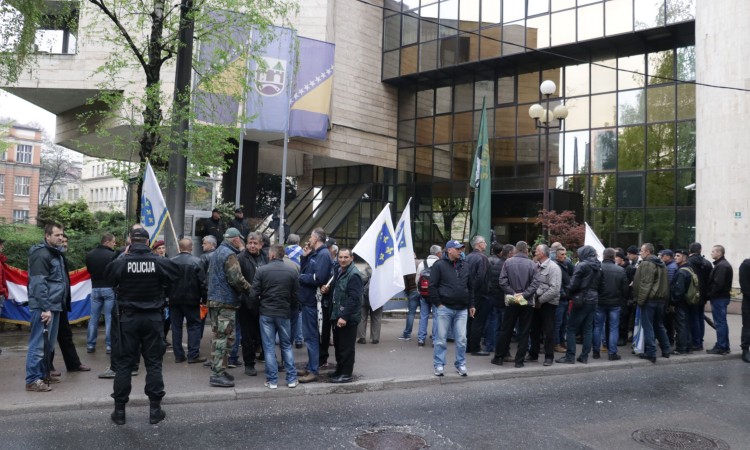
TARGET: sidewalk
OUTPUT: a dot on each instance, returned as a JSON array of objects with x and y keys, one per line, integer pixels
[{"x": 391, "y": 364}]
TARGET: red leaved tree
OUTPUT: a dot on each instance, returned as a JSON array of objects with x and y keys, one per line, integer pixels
[{"x": 562, "y": 228}]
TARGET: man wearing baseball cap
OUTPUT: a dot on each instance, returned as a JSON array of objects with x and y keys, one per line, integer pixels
[{"x": 451, "y": 293}]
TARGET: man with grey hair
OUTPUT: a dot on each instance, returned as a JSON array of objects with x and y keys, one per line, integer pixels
[
  {"x": 518, "y": 280},
  {"x": 208, "y": 244},
  {"x": 436, "y": 252},
  {"x": 545, "y": 305},
  {"x": 479, "y": 273}
]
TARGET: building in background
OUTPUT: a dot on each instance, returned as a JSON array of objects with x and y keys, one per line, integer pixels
[{"x": 20, "y": 153}]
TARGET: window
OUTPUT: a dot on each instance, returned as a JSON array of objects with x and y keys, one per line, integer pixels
[
  {"x": 23, "y": 186},
  {"x": 23, "y": 154},
  {"x": 20, "y": 216},
  {"x": 2, "y": 184}
]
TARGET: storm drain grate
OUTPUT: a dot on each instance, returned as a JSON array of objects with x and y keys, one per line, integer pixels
[
  {"x": 390, "y": 440},
  {"x": 663, "y": 439}
]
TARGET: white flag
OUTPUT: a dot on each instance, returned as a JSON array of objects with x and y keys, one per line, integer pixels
[
  {"x": 378, "y": 247},
  {"x": 593, "y": 241},
  {"x": 405, "y": 244},
  {"x": 154, "y": 211}
]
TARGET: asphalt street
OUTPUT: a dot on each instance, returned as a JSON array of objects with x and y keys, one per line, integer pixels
[{"x": 606, "y": 409}]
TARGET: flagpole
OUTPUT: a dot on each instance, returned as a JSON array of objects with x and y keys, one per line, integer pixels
[
  {"x": 282, "y": 199},
  {"x": 241, "y": 139}
]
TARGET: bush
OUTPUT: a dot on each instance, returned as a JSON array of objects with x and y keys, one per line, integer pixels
[{"x": 72, "y": 216}]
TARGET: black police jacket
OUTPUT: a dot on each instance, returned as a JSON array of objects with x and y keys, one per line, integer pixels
[{"x": 141, "y": 278}]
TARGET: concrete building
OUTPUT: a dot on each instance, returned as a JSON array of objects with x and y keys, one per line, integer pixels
[
  {"x": 20, "y": 153},
  {"x": 646, "y": 83}
]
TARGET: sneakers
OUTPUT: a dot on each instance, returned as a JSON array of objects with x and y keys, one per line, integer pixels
[
  {"x": 270, "y": 385},
  {"x": 615, "y": 357},
  {"x": 718, "y": 351},
  {"x": 199, "y": 359},
  {"x": 597, "y": 355},
  {"x": 90, "y": 349},
  {"x": 293, "y": 384},
  {"x": 109, "y": 373},
  {"x": 404, "y": 337},
  {"x": 462, "y": 371},
  {"x": 548, "y": 362},
  {"x": 298, "y": 345},
  {"x": 109, "y": 350},
  {"x": 38, "y": 386},
  {"x": 565, "y": 360},
  {"x": 439, "y": 372},
  {"x": 250, "y": 371},
  {"x": 308, "y": 378},
  {"x": 233, "y": 363},
  {"x": 420, "y": 343},
  {"x": 134, "y": 373}
]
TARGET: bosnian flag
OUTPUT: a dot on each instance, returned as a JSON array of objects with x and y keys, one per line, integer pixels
[
  {"x": 404, "y": 242},
  {"x": 16, "y": 310}
]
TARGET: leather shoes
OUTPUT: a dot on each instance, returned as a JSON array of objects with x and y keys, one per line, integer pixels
[
  {"x": 81, "y": 368},
  {"x": 180, "y": 360},
  {"x": 375, "y": 341},
  {"x": 308, "y": 378},
  {"x": 519, "y": 365},
  {"x": 497, "y": 361},
  {"x": 565, "y": 360},
  {"x": 251, "y": 371},
  {"x": 548, "y": 361},
  {"x": 597, "y": 355},
  {"x": 583, "y": 360},
  {"x": 342, "y": 379},
  {"x": 746, "y": 355},
  {"x": 221, "y": 381},
  {"x": 615, "y": 357},
  {"x": 480, "y": 353},
  {"x": 361, "y": 341},
  {"x": 199, "y": 359},
  {"x": 650, "y": 358}
]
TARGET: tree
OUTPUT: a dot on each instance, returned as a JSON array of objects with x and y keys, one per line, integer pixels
[
  {"x": 562, "y": 228},
  {"x": 57, "y": 167},
  {"x": 145, "y": 36},
  {"x": 268, "y": 199}
]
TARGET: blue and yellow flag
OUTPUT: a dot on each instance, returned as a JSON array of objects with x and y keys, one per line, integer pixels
[
  {"x": 154, "y": 211},
  {"x": 311, "y": 98}
]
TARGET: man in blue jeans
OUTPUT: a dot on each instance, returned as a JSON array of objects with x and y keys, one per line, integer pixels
[
  {"x": 276, "y": 286},
  {"x": 719, "y": 285},
  {"x": 613, "y": 293},
  {"x": 451, "y": 292},
  {"x": 102, "y": 295},
  {"x": 315, "y": 271},
  {"x": 436, "y": 252},
  {"x": 412, "y": 297},
  {"x": 651, "y": 292}
]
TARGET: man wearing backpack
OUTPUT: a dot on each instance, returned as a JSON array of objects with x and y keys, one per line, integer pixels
[
  {"x": 423, "y": 280},
  {"x": 684, "y": 295}
]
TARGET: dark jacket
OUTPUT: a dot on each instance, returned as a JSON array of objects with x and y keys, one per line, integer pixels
[
  {"x": 215, "y": 228},
  {"x": 566, "y": 274},
  {"x": 191, "y": 287},
  {"x": 745, "y": 278},
  {"x": 680, "y": 284},
  {"x": 702, "y": 267},
  {"x": 243, "y": 226},
  {"x": 141, "y": 278},
  {"x": 613, "y": 289},
  {"x": 347, "y": 295},
  {"x": 96, "y": 262},
  {"x": 586, "y": 276},
  {"x": 479, "y": 272},
  {"x": 650, "y": 284},
  {"x": 49, "y": 285},
  {"x": 315, "y": 271},
  {"x": 206, "y": 260},
  {"x": 496, "y": 266},
  {"x": 720, "y": 281},
  {"x": 277, "y": 288},
  {"x": 249, "y": 265},
  {"x": 450, "y": 285},
  {"x": 518, "y": 277},
  {"x": 671, "y": 270}
]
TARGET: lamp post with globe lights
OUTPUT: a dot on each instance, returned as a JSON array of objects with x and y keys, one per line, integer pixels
[{"x": 543, "y": 118}]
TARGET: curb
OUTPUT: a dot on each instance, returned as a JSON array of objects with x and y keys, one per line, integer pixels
[{"x": 382, "y": 384}]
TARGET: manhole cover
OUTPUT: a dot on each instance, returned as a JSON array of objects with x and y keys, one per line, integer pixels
[
  {"x": 388, "y": 439},
  {"x": 660, "y": 438}
]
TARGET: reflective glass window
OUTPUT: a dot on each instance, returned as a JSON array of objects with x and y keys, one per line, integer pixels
[
  {"x": 490, "y": 118},
  {"x": 528, "y": 162},
  {"x": 618, "y": 17},
  {"x": 577, "y": 80},
  {"x": 443, "y": 100},
  {"x": 462, "y": 160},
  {"x": 537, "y": 32},
  {"x": 410, "y": 31},
  {"x": 514, "y": 37},
  {"x": 406, "y": 103},
  {"x": 680, "y": 10},
  {"x": 631, "y": 107},
  {"x": 424, "y": 131},
  {"x": 631, "y": 73},
  {"x": 660, "y": 103},
  {"x": 506, "y": 90},
  {"x": 685, "y": 197},
  {"x": 390, "y": 64},
  {"x": 659, "y": 227},
  {"x": 490, "y": 42},
  {"x": 423, "y": 161},
  {"x": 661, "y": 67},
  {"x": 559, "y": 5},
  {"x": 603, "y": 76},
  {"x": 442, "y": 162},
  {"x": 468, "y": 15},
  {"x": 448, "y": 18},
  {"x": 524, "y": 123},
  {"x": 604, "y": 222},
  {"x": 463, "y": 97},
  {"x": 660, "y": 188},
  {"x": 513, "y": 10},
  {"x": 409, "y": 59},
  {"x": 686, "y": 144},
  {"x": 505, "y": 121},
  {"x": 630, "y": 190},
  {"x": 406, "y": 133},
  {"x": 685, "y": 101},
  {"x": 649, "y": 14},
  {"x": 685, "y": 225},
  {"x": 406, "y": 159},
  {"x": 528, "y": 87},
  {"x": 630, "y": 220},
  {"x": 463, "y": 130},
  {"x": 391, "y": 32},
  {"x": 428, "y": 56},
  {"x": 535, "y": 7},
  {"x": 555, "y": 156},
  {"x": 491, "y": 11},
  {"x": 428, "y": 26},
  {"x": 603, "y": 150},
  {"x": 444, "y": 129},
  {"x": 576, "y": 154},
  {"x": 578, "y": 113},
  {"x": 503, "y": 157},
  {"x": 425, "y": 103},
  {"x": 603, "y": 110},
  {"x": 660, "y": 144},
  {"x": 603, "y": 191},
  {"x": 631, "y": 145},
  {"x": 686, "y": 63},
  {"x": 591, "y": 22},
  {"x": 556, "y": 75},
  {"x": 564, "y": 27}
]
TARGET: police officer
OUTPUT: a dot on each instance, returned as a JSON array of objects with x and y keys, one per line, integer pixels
[{"x": 139, "y": 280}]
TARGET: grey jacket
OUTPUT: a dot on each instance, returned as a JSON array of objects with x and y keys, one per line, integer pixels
[
  {"x": 550, "y": 281},
  {"x": 48, "y": 280}
]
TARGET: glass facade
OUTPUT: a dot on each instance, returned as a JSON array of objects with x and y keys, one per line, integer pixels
[{"x": 624, "y": 154}]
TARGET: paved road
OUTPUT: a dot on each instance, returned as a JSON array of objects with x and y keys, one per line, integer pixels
[{"x": 588, "y": 410}]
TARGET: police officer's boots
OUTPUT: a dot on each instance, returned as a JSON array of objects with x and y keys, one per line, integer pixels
[
  {"x": 746, "y": 354},
  {"x": 155, "y": 413},
  {"x": 118, "y": 415}
]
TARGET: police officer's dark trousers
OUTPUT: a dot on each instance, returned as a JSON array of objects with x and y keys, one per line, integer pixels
[{"x": 135, "y": 333}]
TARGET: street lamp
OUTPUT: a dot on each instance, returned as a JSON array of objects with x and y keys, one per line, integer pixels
[{"x": 542, "y": 118}]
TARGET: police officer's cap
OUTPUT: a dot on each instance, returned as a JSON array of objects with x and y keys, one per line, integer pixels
[{"x": 139, "y": 233}]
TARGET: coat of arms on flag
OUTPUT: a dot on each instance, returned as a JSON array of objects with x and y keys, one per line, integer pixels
[
  {"x": 271, "y": 79},
  {"x": 384, "y": 247}
]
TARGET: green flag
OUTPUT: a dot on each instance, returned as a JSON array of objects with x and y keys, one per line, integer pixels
[{"x": 481, "y": 183}]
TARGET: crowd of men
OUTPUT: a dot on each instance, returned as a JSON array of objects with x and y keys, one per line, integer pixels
[
  {"x": 263, "y": 295},
  {"x": 545, "y": 303}
]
